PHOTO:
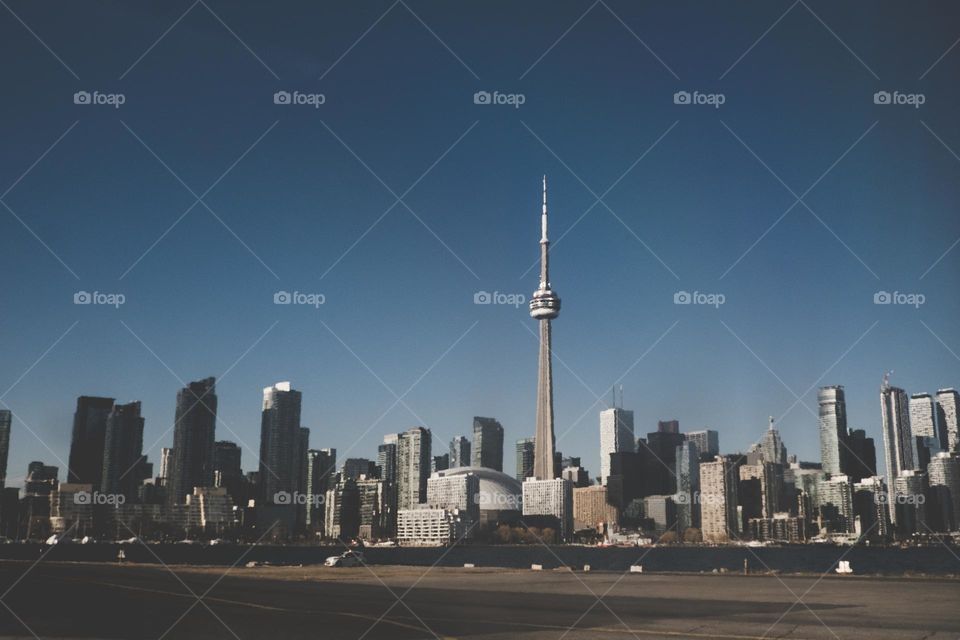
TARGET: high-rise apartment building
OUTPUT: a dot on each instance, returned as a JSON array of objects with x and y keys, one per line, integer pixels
[
  {"x": 899, "y": 446},
  {"x": 86, "y": 442},
  {"x": 6, "y": 421},
  {"x": 948, "y": 410},
  {"x": 688, "y": 486},
  {"x": 123, "y": 461},
  {"x": 194, "y": 434},
  {"x": 279, "y": 440},
  {"x": 413, "y": 467},
  {"x": 487, "y": 449},
  {"x": 707, "y": 441},
  {"x": 923, "y": 418},
  {"x": 459, "y": 452},
  {"x": 718, "y": 500},
  {"x": 833, "y": 429},
  {"x": 943, "y": 474},
  {"x": 525, "y": 450}
]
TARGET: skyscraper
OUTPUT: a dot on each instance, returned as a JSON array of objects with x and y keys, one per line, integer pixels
[
  {"x": 688, "y": 486},
  {"x": 194, "y": 431},
  {"x": 123, "y": 461},
  {"x": 923, "y": 417},
  {"x": 899, "y": 447},
  {"x": 544, "y": 307},
  {"x": 86, "y": 442},
  {"x": 772, "y": 447},
  {"x": 166, "y": 461},
  {"x": 459, "y": 452},
  {"x": 863, "y": 456},
  {"x": 321, "y": 466},
  {"x": 279, "y": 440},
  {"x": 707, "y": 441},
  {"x": 5, "y": 424},
  {"x": 413, "y": 467},
  {"x": 616, "y": 434},
  {"x": 948, "y": 410},
  {"x": 487, "y": 443},
  {"x": 718, "y": 503},
  {"x": 944, "y": 478},
  {"x": 833, "y": 429},
  {"x": 524, "y": 459},
  {"x": 227, "y": 471},
  {"x": 387, "y": 459}
]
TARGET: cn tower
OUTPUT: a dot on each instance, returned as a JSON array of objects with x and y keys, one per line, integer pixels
[{"x": 544, "y": 307}]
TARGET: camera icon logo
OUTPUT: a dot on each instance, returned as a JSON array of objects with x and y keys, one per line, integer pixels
[
  {"x": 681, "y": 97},
  {"x": 82, "y": 297},
  {"x": 482, "y": 97},
  {"x": 282, "y": 297},
  {"x": 682, "y": 297},
  {"x": 882, "y": 297},
  {"x": 82, "y": 497},
  {"x": 881, "y": 97},
  {"x": 282, "y": 497},
  {"x": 81, "y": 97},
  {"x": 281, "y": 97},
  {"x": 482, "y": 297}
]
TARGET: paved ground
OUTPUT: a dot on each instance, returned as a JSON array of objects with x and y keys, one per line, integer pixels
[{"x": 74, "y": 600}]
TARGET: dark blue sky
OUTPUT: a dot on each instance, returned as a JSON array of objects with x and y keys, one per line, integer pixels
[{"x": 300, "y": 210}]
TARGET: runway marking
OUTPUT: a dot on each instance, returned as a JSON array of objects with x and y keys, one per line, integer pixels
[{"x": 257, "y": 605}]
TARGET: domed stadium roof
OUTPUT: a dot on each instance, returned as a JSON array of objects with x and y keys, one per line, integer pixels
[{"x": 498, "y": 491}]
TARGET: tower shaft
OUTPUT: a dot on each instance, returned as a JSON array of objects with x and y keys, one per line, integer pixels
[{"x": 544, "y": 467}]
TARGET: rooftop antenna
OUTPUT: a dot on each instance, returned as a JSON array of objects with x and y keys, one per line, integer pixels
[
  {"x": 621, "y": 396},
  {"x": 771, "y": 423},
  {"x": 886, "y": 380}
]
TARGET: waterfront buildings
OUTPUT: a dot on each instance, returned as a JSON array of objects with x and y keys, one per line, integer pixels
[
  {"x": 909, "y": 503},
  {"x": 870, "y": 496},
  {"x": 195, "y": 421},
  {"x": 427, "y": 526},
  {"x": 591, "y": 509},
  {"x": 835, "y": 505},
  {"x": 458, "y": 492},
  {"x": 487, "y": 450},
  {"x": 616, "y": 434},
  {"x": 549, "y": 504}
]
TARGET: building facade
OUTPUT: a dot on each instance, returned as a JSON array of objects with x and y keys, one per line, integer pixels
[
  {"x": 194, "y": 434},
  {"x": 616, "y": 434}
]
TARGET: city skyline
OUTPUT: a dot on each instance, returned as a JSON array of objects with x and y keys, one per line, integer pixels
[{"x": 798, "y": 310}]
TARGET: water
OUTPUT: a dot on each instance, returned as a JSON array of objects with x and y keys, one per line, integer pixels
[{"x": 931, "y": 560}]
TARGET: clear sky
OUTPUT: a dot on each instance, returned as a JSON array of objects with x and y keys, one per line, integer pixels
[{"x": 297, "y": 198}]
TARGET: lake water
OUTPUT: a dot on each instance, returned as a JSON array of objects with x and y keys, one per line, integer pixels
[{"x": 932, "y": 560}]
